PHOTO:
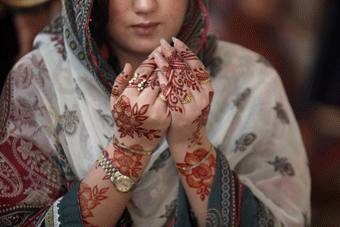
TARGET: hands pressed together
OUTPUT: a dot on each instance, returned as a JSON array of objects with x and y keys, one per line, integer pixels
[{"x": 169, "y": 94}]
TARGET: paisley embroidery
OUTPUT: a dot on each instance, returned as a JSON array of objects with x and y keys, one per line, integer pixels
[
  {"x": 281, "y": 113},
  {"x": 283, "y": 166},
  {"x": 11, "y": 184},
  {"x": 69, "y": 121},
  {"x": 244, "y": 141},
  {"x": 214, "y": 217},
  {"x": 23, "y": 113},
  {"x": 5, "y": 101}
]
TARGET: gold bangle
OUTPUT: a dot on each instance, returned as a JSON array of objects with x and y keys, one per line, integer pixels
[
  {"x": 198, "y": 163},
  {"x": 130, "y": 149}
]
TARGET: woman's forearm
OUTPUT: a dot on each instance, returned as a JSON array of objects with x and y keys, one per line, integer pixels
[
  {"x": 197, "y": 181},
  {"x": 101, "y": 204}
]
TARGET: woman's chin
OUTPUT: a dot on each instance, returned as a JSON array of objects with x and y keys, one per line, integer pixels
[{"x": 146, "y": 47}]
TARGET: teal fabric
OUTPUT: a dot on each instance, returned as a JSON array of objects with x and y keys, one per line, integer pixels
[
  {"x": 219, "y": 209},
  {"x": 248, "y": 208},
  {"x": 69, "y": 209},
  {"x": 183, "y": 217}
]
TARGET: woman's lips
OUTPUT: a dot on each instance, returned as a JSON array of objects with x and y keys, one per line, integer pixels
[{"x": 145, "y": 28}]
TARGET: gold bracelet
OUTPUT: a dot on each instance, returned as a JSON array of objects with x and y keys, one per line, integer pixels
[
  {"x": 130, "y": 149},
  {"x": 197, "y": 164}
]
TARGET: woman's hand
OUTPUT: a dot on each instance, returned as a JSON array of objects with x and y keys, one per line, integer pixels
[
  {"x": 186, "y": 86},
  {"x": 141, "y": 117}
]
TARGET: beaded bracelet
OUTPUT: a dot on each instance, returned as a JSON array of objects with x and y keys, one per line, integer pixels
[
  {"x": 198, "y": 163},
  {"x": 130, "y": 149}
]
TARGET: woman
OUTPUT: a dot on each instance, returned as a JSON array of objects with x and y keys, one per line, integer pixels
[{"x": 246, "y": 166}]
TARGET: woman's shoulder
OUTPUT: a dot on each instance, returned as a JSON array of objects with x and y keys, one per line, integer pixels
[
  {"x": 25, "y": 85},
  {"x": 243, "y": 63}
]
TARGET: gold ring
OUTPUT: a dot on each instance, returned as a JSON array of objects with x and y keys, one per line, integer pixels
[
  {"x": 204, "y": 81},
  {"x": 187, "y": 99},
  {"x": 162, "y": 97}
]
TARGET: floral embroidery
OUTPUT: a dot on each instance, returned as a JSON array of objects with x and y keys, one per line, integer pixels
[
  {"x": 31, "y": 156},
  {"x": 242, "y": 97},
  {"x": 281, "y": 113},
  {"x": 283, "y": 166},
  {"x": 79, "y": 92},
  {"x": 69, "y": 121},
  {"x": 107, "y": 118},
  {"x": 169, "y": 210},
  {"x": 244, "y": 141},
  {"x": 202, "y": 176},
  {"x": 161, "y": 160}
]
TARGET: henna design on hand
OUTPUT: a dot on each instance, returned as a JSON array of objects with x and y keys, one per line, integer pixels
[
  {"x": 121, "y": 79},
  {"x": 188, "y": 55},
  {"x": 152, "y": 81},
  {"x": 89, "y": 198},
  {"x": 202, "y": 176},
  {"x": 170, "y": 95},
  {"x": 127, "y": 163},
  {"x": 201, "y": 74},
  {"x": 183, "y": 70},
  {"x": 129, "y": 120},
  {"x": 201, "y": 122}
]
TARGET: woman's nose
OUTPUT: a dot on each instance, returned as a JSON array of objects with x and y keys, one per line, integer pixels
[{"x": 145, "y": 6}]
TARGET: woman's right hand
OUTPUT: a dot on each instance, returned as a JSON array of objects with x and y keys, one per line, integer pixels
[{"x": 141, "y": 117}]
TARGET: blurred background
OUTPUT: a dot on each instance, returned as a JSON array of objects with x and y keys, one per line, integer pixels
[{"x": 300, "y": 39}]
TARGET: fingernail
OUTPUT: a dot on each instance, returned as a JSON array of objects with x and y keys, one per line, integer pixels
[
  {"x": 157, "y": 54},
  {"x": 125, "y": 67},
  {"x": 163, "y": 41},
  {"x": 165, "y": 44},
  {"x": 159, "y": 73},
  {"x": 174, "y": 39}
]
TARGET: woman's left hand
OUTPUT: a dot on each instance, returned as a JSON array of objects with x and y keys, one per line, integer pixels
[{"x": 186, "y": 86}]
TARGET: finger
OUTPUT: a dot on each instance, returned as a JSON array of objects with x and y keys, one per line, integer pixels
[
  {"x": 152, "y": 88},
  {"x": 171, "y": 97},
  {"x": 121, "y": 82},
  {"x": 180, "y": 66},
  {"x": 143, "y": 72},
  {"x": 177, "y": 84},
  {"x": 192, "y": 61}
]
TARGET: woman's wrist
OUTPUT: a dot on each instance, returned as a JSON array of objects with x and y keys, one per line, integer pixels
[
  {"x": 127, "y": 163},
  {"x": 179, "y": 151}
]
